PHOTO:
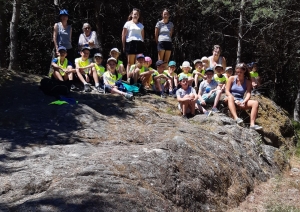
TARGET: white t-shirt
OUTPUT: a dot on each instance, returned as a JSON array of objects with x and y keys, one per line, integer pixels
[{"x": 134, "y": 31}]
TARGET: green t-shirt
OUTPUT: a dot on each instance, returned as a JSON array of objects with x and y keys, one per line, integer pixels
[{"x": 220, "y": 80}]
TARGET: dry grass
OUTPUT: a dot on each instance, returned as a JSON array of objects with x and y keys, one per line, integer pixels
[{"x": 279, "y": 194}]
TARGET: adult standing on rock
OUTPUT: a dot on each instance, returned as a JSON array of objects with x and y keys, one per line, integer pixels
[
  {"x": 133, "y": 37},
  {"x": 216, "y": 57},
  {"x": 62, "y": 35},
  {"x": 89, "y": 38},
  {"x": 163, "y": 36}
]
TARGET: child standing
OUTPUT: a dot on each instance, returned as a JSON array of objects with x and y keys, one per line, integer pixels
[{"x": 186, "y": 96}]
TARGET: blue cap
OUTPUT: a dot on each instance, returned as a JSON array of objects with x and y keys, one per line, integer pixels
[
  {"x": 140, "y": 56},
  {"x": 172, "y": 63},
  {"x": 183, "y": 76},
  {"x": 209, "y": 70},
  {"x": 63, "y": 12},
  {"x": 61, "y": 48},
  {"x": 251, "y": 64}
]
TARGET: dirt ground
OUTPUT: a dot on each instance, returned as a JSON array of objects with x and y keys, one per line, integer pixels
[{"x": 279, "y": 194}]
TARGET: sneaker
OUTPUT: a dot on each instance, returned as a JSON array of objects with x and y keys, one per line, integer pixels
[
  {"x": 99, "y": 89},
  {"x": 255, "y": 127},
  {"x": 171, "y": 93},
  {"x": 128, "y": 80},
  {"x": 87, "y": 88},
  {"x": 239, "y": 120},
  {"x": 129, "y": 96},
  {"x": 215, "y": 110},
  {"x": 163, "y": 95},
  {"x": 73, "y": 87},
  {"x": 207, "y": 113}
]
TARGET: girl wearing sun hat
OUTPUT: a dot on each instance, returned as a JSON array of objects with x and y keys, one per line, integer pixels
[{"x": 186, "y": 68}]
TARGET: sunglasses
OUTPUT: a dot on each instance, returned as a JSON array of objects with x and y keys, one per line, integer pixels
[{"x": 87, "y": 28}]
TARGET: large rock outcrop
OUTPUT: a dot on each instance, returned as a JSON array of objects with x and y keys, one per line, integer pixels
[{"x": 110, "y": 154}]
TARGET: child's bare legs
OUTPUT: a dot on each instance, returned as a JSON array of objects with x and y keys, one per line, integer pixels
[
  {"x": 56, "y": 74},
  {"x": 158, "y": 85},
  {"x": 95, "y": 76},
  {"x": 136, "y": 74},
  {"x": 80, "y": 76},
  {"x": 217, "y": 99},
  {"x": 196, "y": 80},
  {"x": 69, "y": 74}
]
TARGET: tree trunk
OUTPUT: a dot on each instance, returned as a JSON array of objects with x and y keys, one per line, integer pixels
[
  {"x": 296, "y": 107},
  {"x": 98, "y": 17},
  {"x": 13, "y": 30},
  {"x": 1, "y": 34},
  {"x": 240, "y": 33}
]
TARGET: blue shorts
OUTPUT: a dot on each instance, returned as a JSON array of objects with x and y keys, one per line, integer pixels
[{"x": 209, "y": 99}]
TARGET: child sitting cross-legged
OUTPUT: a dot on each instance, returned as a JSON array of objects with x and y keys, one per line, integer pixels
[
  {"x": 186, "y": 96},
  {"x": 111, "y": 76},
  {"x": 159, "y": 78}
]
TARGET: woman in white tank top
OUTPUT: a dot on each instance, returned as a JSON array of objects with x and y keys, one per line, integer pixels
[{"x": 216, "y": 58}]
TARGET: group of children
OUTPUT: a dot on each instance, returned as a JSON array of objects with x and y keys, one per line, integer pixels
[{"x": 194, "y": 89}]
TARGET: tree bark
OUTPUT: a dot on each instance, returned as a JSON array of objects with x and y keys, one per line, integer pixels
[
  {"x": 13, "y": 30},
  {"x": 98, "y": 17},
  {"x": 296, "y": 107},
  {"x": 240, "y": 32}
]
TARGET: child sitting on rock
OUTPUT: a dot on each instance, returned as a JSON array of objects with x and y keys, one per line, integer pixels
[
  {"x": 219, "y": 77},
  {"x": 186, "y": 68},
  {"x": 187, "y": 97},
  {"x": 115, "y": 53},
  {"x": 172, "y": 81},
  {"x": 99, "y": 70},
  {"x": 199, "y": 73},
  {"x": 111, "y": 76},
  {"x": 84, "y": 68},
  {"x": 62, "y": 68},
  {"x": 138, "y": 73},
  {"x": 159, "y": 79}
]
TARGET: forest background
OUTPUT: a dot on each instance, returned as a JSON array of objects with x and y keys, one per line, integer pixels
[{"x": 264, "y": 31}]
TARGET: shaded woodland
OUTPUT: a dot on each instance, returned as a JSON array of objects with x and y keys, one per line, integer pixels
[{"x": 265, "y": 31}]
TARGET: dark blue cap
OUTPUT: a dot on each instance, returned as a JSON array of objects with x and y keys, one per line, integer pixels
[
  {"x": 63, "y": 12},
  {"x": 209, "y": 70},
  {"x": 61, "y": 48}
]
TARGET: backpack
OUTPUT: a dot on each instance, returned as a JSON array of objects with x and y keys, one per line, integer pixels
[{"x": 54, "y": 87}]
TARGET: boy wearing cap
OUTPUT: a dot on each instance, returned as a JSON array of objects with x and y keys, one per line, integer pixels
[
  {"x": 209, "y": 91},
  {"x": 186, "y": 96},
  {"x": 172, "y": 81},
  {"x": 115, "y": 53},
  {"x": 199, "y": 73},
  {"x": 111, "y": 76},
  {"x": 62, "y": 68},
  {"x": 138, "y": 71},
  {"x": 159, "y": 78},
  {"x": 186, "y": 68},
  {"x": 98, "y": 70},
  {"x": 83, "y": 68},
  {"x": 219, "y": 77}
]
